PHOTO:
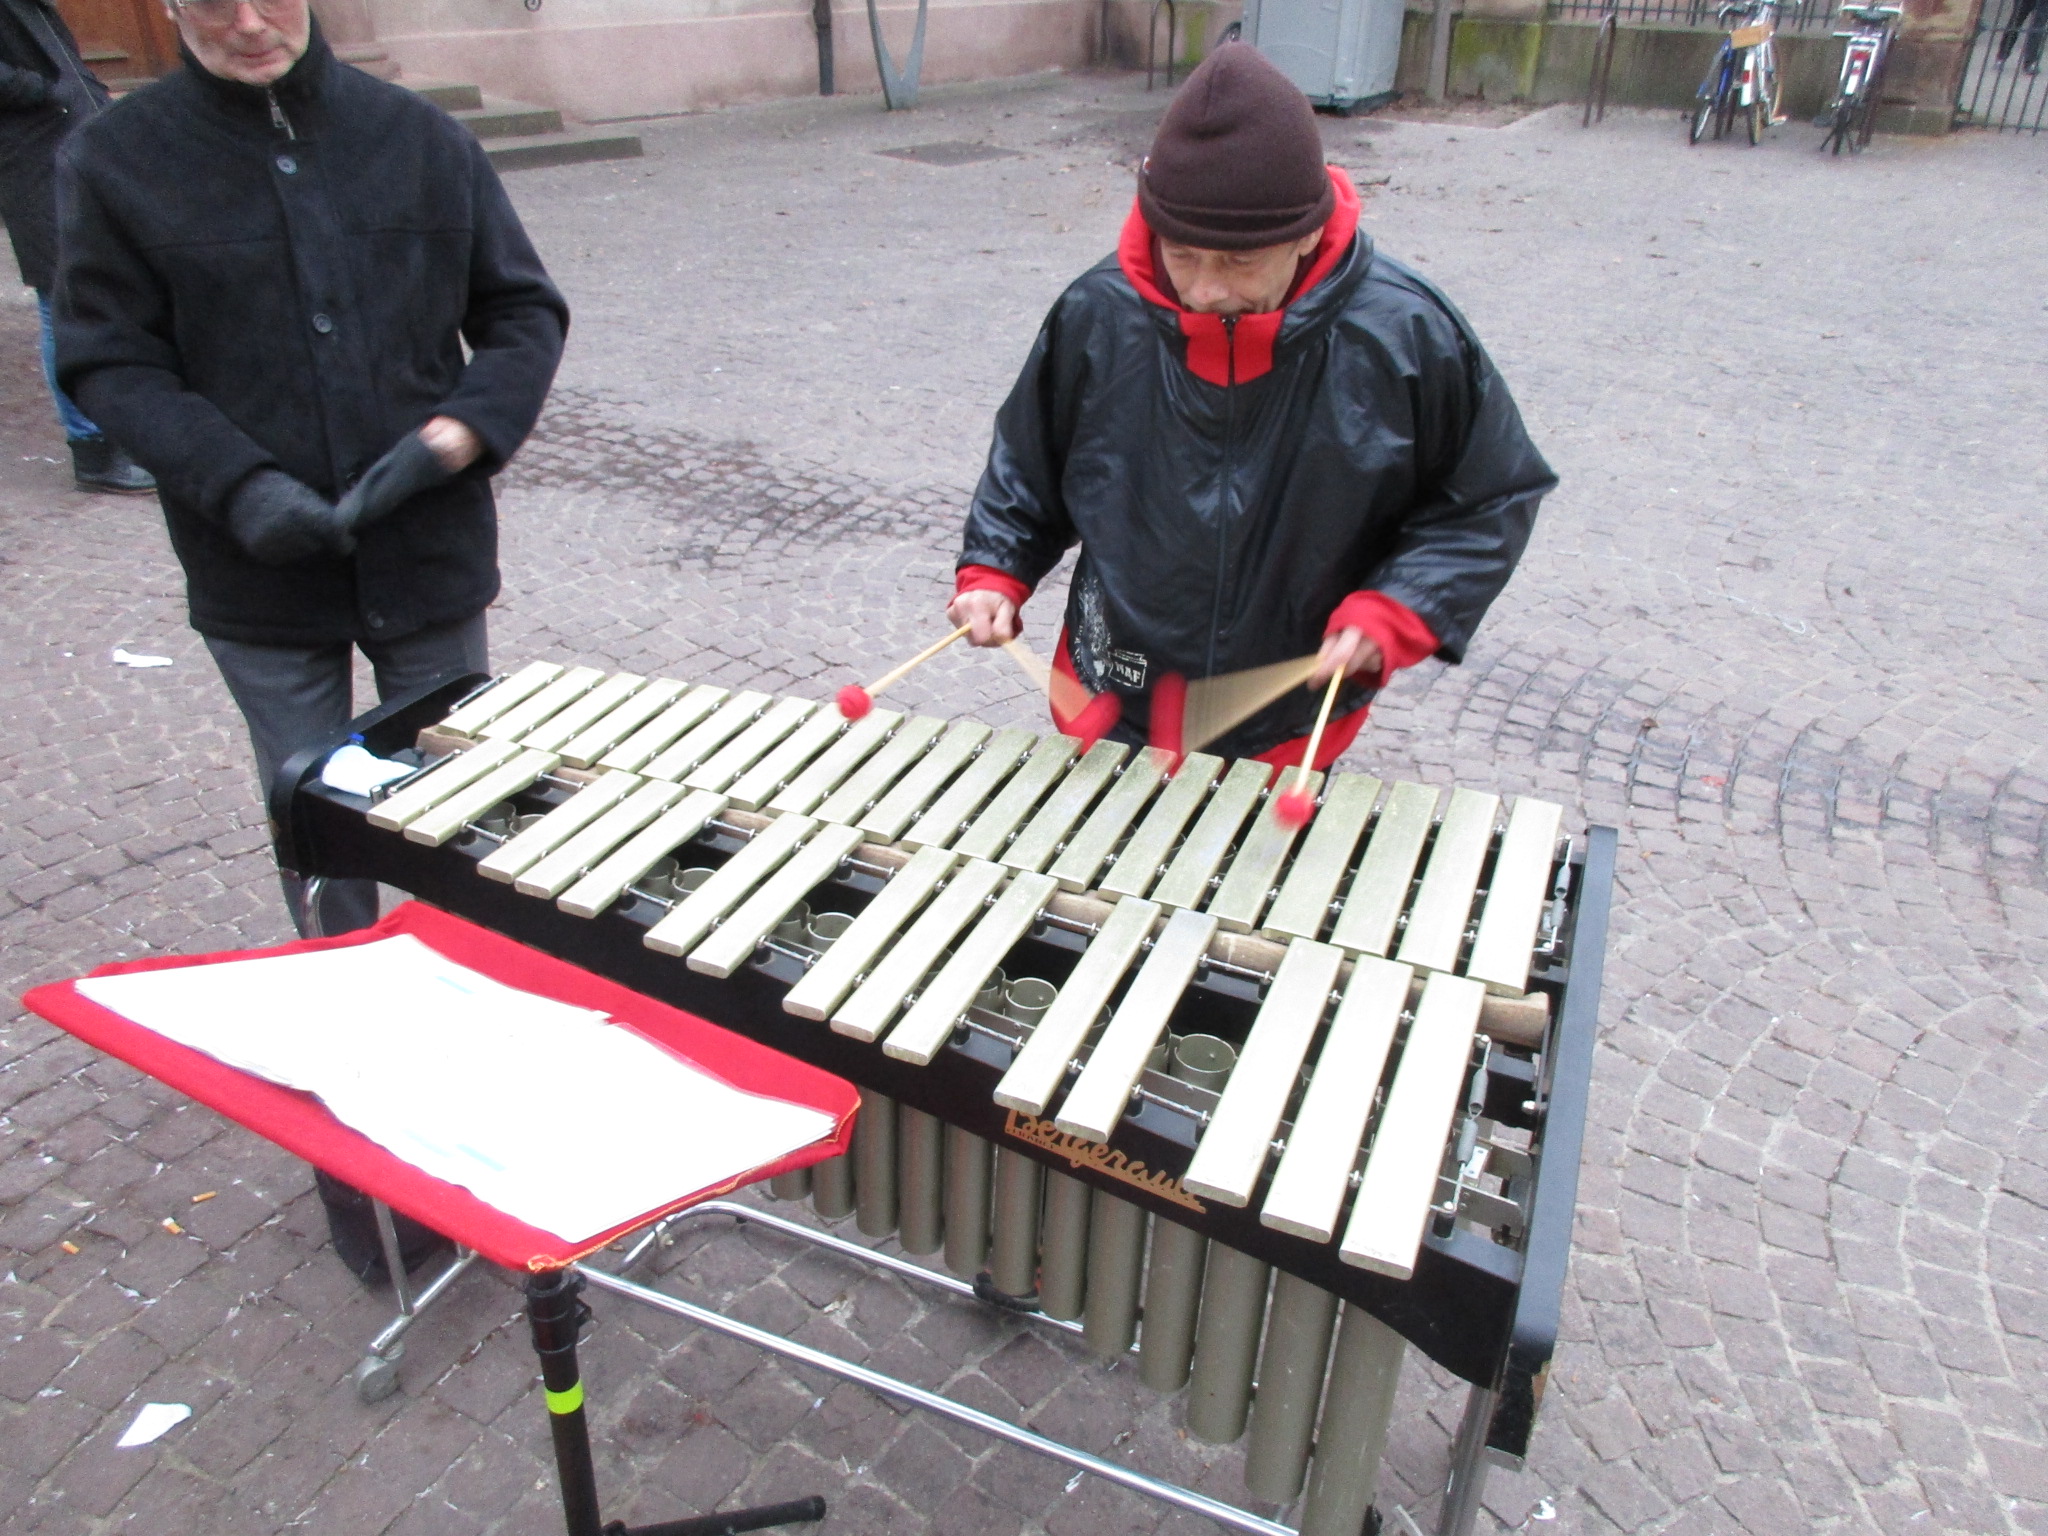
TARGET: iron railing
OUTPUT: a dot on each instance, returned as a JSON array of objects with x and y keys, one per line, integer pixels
[
  {"x": 2002, "y": 87},
  {"x": 1793, "y": 15}
]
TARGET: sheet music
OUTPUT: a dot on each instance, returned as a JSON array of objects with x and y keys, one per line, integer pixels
[{"x": 549, "y": 1112}]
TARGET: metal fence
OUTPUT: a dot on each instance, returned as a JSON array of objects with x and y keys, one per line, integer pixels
[
  {"x": 2002, "y": 87},
  {"x": 1793, "y": 16}
]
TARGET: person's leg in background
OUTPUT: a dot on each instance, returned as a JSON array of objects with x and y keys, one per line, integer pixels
[
  {"x": 410, "y": 663},
  {"x": 97, "y": 462},
  {"x": 293, "y": 697},
  {"x": 2009, "y": 33}
]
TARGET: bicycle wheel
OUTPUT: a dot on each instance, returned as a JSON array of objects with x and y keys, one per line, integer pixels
[
  {"x": 1873, "y": 90},
  {"x": 1703, "y": 113},
  {"x": 1843, "y": 127}
]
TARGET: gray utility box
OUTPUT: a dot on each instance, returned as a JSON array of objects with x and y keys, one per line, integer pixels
[{"x": 1341, "y": 53}]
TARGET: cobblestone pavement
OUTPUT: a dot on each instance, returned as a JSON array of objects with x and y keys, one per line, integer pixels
[{"x": 1782, "y": 626}]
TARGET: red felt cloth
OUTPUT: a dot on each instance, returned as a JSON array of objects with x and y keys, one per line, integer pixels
[{"x": 299, "y": 1123}]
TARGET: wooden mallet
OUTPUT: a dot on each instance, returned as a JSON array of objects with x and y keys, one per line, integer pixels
[
  {"x": 1295, "y": 806},
  {"x": 1089, "y": 716},
  {"x": 855, "y": 701}
]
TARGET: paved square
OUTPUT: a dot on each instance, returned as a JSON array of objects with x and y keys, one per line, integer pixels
[{"x": 1782, "y": 625}]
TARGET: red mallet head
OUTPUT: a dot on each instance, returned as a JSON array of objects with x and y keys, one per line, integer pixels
[
  {"x": 1097, "y": 720},
  {"x": 1168, "y": 730},
  {"x": 1294, "y": 808},
  {"x": 855, "y": 701}
]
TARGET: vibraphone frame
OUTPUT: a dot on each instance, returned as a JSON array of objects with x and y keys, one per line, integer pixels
[{"x": 1485, "y": 1313}]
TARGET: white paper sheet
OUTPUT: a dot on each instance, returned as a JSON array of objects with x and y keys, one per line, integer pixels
[{"x": 549, "y": 1112}]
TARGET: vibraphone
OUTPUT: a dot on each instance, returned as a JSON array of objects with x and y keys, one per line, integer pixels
[{"x": 1408, "y": 988}]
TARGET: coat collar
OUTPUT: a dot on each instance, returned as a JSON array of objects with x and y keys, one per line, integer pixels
[
  {"x": 298, "y": 90},
  {"x": 1236, "y": 354}
]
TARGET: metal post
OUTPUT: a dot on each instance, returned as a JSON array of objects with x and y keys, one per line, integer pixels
[
  {"x": 1467, "y": 1482},
  {"x": 1439, "y": 52},
  {"x": 556, "y": 1315},
  {"x": 899, "y": 87},
  {"x": 394, "y": 1260},
  {"x": 821, "y": 19}
]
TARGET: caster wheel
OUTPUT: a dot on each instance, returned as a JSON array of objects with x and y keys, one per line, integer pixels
[{"x": 376, "y": 1378}]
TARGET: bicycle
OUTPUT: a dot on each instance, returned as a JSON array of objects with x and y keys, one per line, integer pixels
[
  {"x": 1744, "y": 75},
  {"x": 1852, "y": 115}
]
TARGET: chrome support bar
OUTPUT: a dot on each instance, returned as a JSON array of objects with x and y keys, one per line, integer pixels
[{"x": 1226, "y": 1515}]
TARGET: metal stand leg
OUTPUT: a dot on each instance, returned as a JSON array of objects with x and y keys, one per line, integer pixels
[
  {"x": 1467, "y": 1482},
  {"x": 1152, "y": 40},
  {"x": 376, "y": 1374},
  {"x": 557, "y": 1314}
]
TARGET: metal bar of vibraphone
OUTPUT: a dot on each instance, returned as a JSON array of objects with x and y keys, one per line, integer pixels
[{"x": 1228, "y": 1515}]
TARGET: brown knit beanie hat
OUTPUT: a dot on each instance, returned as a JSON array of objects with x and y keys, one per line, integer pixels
[{"x": 1237, "y": 163}]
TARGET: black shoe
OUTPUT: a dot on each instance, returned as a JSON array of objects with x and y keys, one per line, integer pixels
[
  {"x": 353, "y": 1226},
  {"x": 98, "y": 465}
]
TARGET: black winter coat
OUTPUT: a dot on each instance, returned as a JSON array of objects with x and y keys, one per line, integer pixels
[
  {"x": 1221, "y": 524},
  {"x": 286, "y": 277},
  {"x": 45, "y": 91}
]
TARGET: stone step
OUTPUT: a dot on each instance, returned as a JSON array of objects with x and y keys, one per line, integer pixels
[
  {"x": 369, "y": 58},
  {"x": 498, "y": 118},
  {"x": 571, "y": 146},
  {"x": 448, "y": 95}
]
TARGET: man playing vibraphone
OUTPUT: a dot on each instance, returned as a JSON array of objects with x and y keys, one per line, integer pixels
[{"x": 1266, "y": 436}]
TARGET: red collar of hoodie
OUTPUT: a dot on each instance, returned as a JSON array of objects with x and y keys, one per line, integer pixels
[{"x": 1209, "y": 343}]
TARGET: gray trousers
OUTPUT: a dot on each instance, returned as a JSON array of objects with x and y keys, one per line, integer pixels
[{"x": 295, "y": 697}]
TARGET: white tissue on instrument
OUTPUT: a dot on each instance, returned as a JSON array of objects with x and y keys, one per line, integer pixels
[
  {"x": 355, "y": 771},
  {"x": 546, "y": 1111}
]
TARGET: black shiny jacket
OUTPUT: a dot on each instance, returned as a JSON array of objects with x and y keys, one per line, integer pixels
[
  {"x": 288, "y": 276},
  {"x": 1221, "y": 523}
]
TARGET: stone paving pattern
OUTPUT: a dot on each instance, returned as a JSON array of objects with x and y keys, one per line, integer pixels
[{"x": 1782, "y": 625}]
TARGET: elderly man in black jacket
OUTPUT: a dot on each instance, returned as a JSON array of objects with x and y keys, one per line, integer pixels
[
  {"x": 1266, "y": 436},
  {"x": 45, "y": 92},
  {"x": 271, "y": 264}
]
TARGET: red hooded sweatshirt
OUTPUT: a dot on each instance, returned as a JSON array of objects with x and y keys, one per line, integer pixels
[{"x": 1402, "y": 637}]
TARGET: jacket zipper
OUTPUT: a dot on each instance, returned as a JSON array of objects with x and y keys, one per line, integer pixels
[
  {"x": 278, "y": 120},
  {"x": 1223, "y": 500}
]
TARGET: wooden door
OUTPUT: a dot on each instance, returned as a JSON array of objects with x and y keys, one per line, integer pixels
[{"x": 125, "y": 41}]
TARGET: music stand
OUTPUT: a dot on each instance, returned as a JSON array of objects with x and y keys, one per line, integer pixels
[{"x": 299, "y": 1123}]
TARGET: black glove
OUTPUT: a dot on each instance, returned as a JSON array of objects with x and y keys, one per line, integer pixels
[
  {"x": 278, "y": 520},
  {"x": 23, "y": 90},
  {"x": 393, "y": 480}
]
